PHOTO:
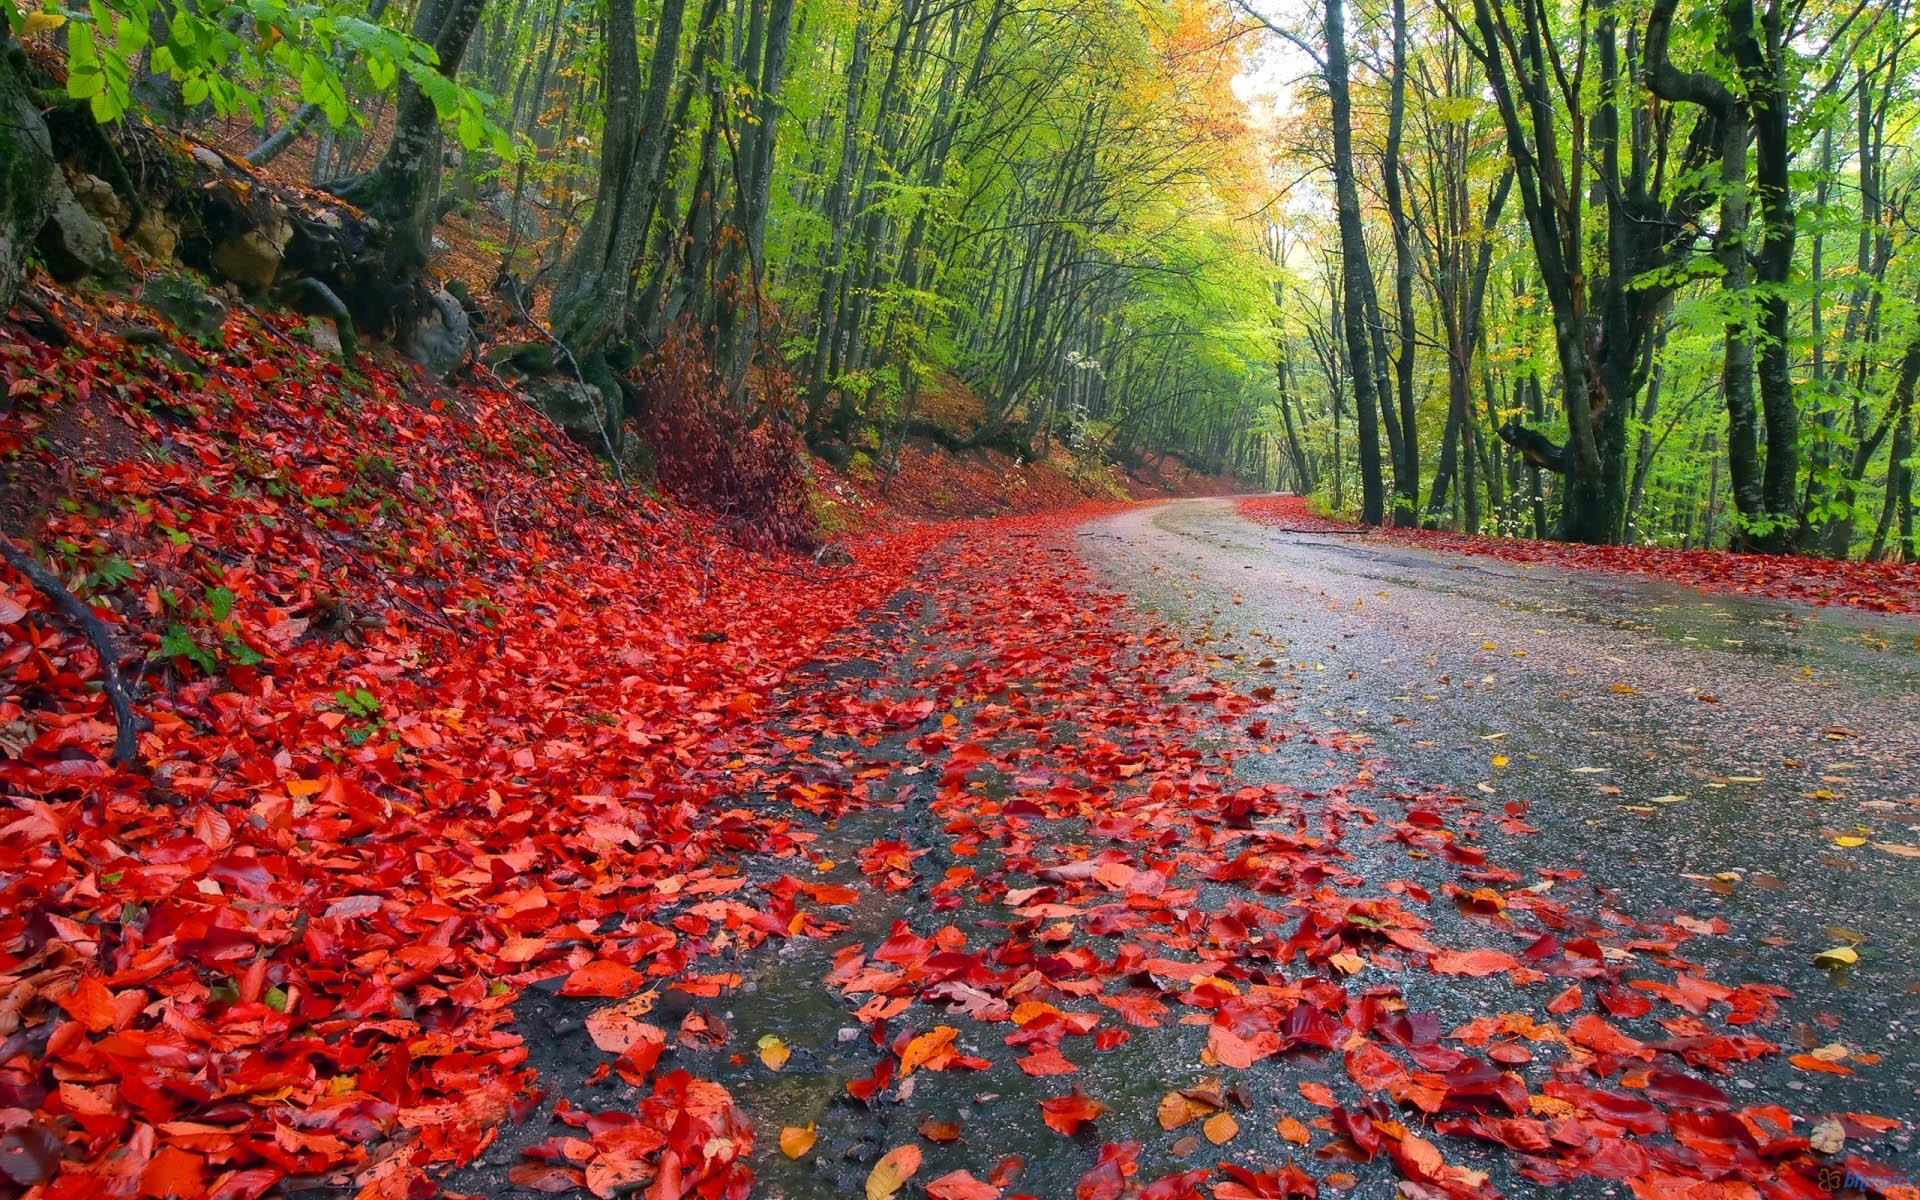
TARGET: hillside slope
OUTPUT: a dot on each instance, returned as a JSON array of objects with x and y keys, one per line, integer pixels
[{"x": 425, "y": 698}]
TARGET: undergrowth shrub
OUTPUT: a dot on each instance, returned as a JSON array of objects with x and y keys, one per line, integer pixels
[{"x": 712, "y": 453}]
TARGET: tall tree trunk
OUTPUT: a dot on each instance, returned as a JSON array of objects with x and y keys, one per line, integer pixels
[
  {"x": 1407, "y": 475},
  {"x": 1356, "y": 276},
  {"x": 399, "y": 190},
  {"x": 591, "y": 295}
]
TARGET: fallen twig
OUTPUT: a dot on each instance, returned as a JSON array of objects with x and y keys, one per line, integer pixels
[
  {"x": 75, "y": 610},
  {"x": 374, "y": 575}
]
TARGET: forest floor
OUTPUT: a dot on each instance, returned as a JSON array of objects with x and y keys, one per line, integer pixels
[{"x": 499, "y": 831}]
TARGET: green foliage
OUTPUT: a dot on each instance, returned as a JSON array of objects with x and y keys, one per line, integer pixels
[{"x": 240, "y": 56}]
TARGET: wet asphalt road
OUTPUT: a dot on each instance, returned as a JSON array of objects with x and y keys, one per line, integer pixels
[{"x": 1690, "y": 752}]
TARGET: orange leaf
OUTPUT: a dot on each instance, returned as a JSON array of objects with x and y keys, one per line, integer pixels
[
  {"x": 796, "y": 1141},
  {"x": 893, "y": 1170},
  {"x": 1220, "y": 1128},
  {"x": 932, "y": 1050}
]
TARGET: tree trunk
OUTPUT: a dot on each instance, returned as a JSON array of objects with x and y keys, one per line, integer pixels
[
  {"x": 26, "y": 169},
  {"x": 397, "y": 192},
  {"x": 592, "y": 293},
  {"x": 1356, "y": 276},
  {"x": 1407, "y": 474}
]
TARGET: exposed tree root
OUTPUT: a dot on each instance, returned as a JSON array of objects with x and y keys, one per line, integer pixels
[{"x": 75, "y": 610}]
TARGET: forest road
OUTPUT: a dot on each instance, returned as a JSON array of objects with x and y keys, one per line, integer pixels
[{"x": 1690, "y": 752}]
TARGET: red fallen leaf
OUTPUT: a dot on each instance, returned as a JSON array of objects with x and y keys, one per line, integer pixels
[
  {"x": 1624, "y": 1002},
  {"x": 1243, "y": 1184},
  {"x": 935, "y": 1130},
  {"x": 1684, "y": 1091},
  {"x": 1512, "y": 1054},
  {"x": 170, "y": 1172},
  {"x": 1184, "y": 1186},
  {"x": 615, "y": 1031},
  {"x": 1139, "y": 1008},
  {"x": 1471, "y": 1081},
  {"x": 1046, "y": 1061},
  {"x": 614, "y": 1173},
  {"x": 1807, "y": 1062},
  {"x": 1566, "y": 1001},
  {"x": 1007, "y": 1170},
  {"x": 1868, "y": 1123},
  {"x": 1107, "y": 1178},
  {"x": 1475, "y": 963},
  {"x": 960, "y": 1185},
  {"x": 866, "y": 1089},
  {"x": 1065, "y": 1114},
  {"x": 1524, "y": 1134},
  {"x": 602, "y": 978},
  {"x": 1419, "y": 1160},
  {"x": 551, "y": 1178},
  {"x": 89, "y": 1002},
  {"x": 1629, "y": 1112},
  {"x": 1595, "y": 1034},
  {"x": 1318, "y": 1093}
]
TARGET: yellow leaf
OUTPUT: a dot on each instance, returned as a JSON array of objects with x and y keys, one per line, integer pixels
[
  {"x": 774, "y": 1052},
  {"x": 41, "y": 22},
  {"x": 1220, "y": 1128},
  {"x": 1839, "y": 956},
  {"x": 1500, "y": 760},
  {"x": 795, "y": 1141},
  {"x": 1849, "y": 841},
  {"x": 1624, "y": 689},
  {"x": 895, "y": 1167},
  {"x": 1669, "y": 798}
]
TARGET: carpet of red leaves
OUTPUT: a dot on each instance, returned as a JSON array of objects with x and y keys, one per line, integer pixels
[
  {"x": 437, "y": 714},
  {"x": 1876, "y": 586}
]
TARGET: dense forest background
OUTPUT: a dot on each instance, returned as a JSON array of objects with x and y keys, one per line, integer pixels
[{"x": 1611, "y": 272}]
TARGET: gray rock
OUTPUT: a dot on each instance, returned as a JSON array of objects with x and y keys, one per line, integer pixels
[
  {"x": 72, "y": 243},
  {"x": 439, "y": 340},
  {"x": 324, "y": 336},
  {"x": 574, "y": 406}
]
